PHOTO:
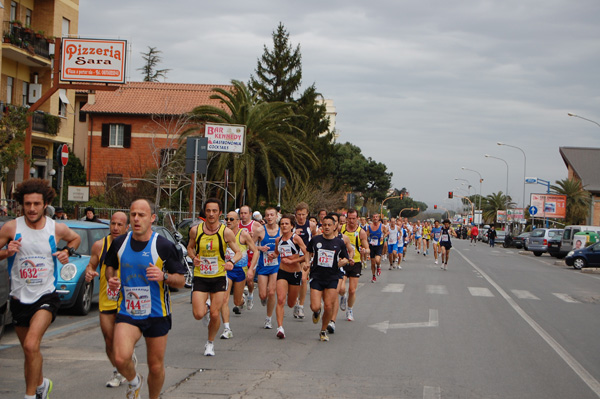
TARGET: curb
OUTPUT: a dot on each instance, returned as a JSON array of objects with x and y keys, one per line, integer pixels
[{"x": 591, "y": 270}]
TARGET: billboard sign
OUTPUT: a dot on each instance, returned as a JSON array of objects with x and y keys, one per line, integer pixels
[
  {"x": 501, "y": 216},
  {"x": 93, "y": 60},
  {"x": 225, "y": 138},
  {"x": 515, "y": 215},
  {"x": 550, "y": 205}
]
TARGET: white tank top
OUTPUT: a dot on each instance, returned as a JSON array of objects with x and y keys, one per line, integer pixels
[
  {"x": 393, "y": 236},
  {"x": 33, "y": 268}
]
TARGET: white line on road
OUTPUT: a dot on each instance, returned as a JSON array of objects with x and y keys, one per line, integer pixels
[
  {"x": 565, "y": 297},
  {"x": 523, "y": 294},
  {"x": 585, "y": 375},
  {"x": 437, "y": 289},
  {"x": 385, "y": 325},
  {"x": 480, "y": 291},
  {"x": 432, "y": 392},
  {"x": 393, "y": 288}
]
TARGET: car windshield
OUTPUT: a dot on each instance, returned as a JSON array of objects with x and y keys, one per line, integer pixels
[
  {"x": 538, "y": 233},
  {"x": 88, "y": 238}
]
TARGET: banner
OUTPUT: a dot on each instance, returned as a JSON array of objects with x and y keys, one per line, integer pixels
[{"x": 549, "y": 206}]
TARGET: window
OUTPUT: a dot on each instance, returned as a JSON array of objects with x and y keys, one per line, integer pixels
[
  {"x": 13, "y": 10},
  {"x": 25, "y": 92},
  {"x": 27, "y": 17},
  {"x": 62, "y": 102},
  {"x": 116, "y": 135},
  {"x": 66, "y": 27},
  {"x": 82, "y": 115},
  {"x": 113, "y": 180},
  {"x": 9, "y": 89}
]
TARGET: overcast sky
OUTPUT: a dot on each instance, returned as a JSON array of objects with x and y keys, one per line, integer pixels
[{"x": 425, "y": 87}]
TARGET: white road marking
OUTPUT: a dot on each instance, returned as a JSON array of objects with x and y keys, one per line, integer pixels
[
  {"x": 565, "y": 297},
  {"x": 522, "y": 294},
  {"x": 585, "y": 375},
  {"x": 480, "y": 291},
  {"x": 437, "y": 289},
  {"x": 432, "y": 392},
  {"x": 385, "y": 325},
  {"x": 393, "y": 288}
]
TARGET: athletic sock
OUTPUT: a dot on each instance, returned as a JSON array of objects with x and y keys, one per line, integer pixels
[
  {"x": 135, "y": 382},
  {"x": 226, "y": 325}
]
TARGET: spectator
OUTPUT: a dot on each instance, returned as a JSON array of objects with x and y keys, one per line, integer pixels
[
  {"x": 90, "y": 215},
  {"x": 59, "y": 214}
]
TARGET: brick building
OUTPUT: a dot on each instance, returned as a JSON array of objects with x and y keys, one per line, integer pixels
[
  {"x": 127, "y": 130},
  {"x": 583, "y": 164}
]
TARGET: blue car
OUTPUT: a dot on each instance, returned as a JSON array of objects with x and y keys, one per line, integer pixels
[
  {"x": 584, "y": 257},
  {"x": 74, "y": 292}
]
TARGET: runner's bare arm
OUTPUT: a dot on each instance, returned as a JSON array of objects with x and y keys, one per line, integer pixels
[
  {"x": 7, "y": 233},
  {"x": 230, "y": 239},
  {"x": 63, "y": 232},
  {"x": 92, "y": 267}
]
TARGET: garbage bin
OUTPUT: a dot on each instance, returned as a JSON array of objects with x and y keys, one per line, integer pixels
[{"x": 585, "y": 238}]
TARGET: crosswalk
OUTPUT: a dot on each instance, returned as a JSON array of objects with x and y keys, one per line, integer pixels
[{"x": 483, "y": 292}]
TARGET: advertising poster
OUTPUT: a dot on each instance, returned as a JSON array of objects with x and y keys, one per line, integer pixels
[
  {"x": 579, "y": 241},
  {"x": 549, "y": 205},
  {"x": 501, "y": 217},
  {"x": 516, "y": 215}
]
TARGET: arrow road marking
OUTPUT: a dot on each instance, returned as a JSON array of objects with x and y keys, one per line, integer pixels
[{"x": 385, "y": 325}]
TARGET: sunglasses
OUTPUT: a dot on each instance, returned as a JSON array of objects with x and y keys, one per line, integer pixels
[{"x": 230, "y": 219}]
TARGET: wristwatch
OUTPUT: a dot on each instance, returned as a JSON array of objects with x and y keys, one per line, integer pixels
[
  {"x": 165, "y": 276},
  {"x": 70, "y": 250}
]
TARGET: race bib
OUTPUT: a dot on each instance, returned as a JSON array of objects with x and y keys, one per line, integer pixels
[
  {"x": 374, "y": 241},
  {"x": 229, "y": 254},
  {"x": 445, "y": 237},
  {"x": 286, "y": 251},
  {"x": 209, "y": 265},
  {"x": 33, "y": 273},
  {"x": 325, "y": 258},
  {"x": 138, "y": 301},
  {"x": 113, "y": 295},
  {"x": 273, "y": 262}
]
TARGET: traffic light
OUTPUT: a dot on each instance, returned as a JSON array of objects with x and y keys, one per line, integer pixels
[
  {"x": 435, "y": 207},
  {"x": 450, "y": 194}
]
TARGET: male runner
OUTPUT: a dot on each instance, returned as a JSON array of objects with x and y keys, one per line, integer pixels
[
  {"x": 359, "y": 242},
  {"x": 376, "y": 232},
  {"x": 107, "y": 301},
  {"x": 436, "y": 234},
  {"x": 392, "y": 243},
  {"x": 254, "y": 228},
  {"x": 33, "y": 268},
  {"x": 236, "y": 278},
  {"x": 446, "y": 243},
  {"x": 305, "y": 229},
  {"x": 207, "y": 246},
  {"x": 149, "y": 264},
  {"x": 341, "y": 288},
  {"x": 474, "y": 234},
  {"x": 329, "y": 255},
  {"x": 267, "y": 269}
]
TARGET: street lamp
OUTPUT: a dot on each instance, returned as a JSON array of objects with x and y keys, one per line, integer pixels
[
  {"x": 524, "y": 169},
  {"x": 468, "y": 183},
  {"x": 32, "y": 171},
  {"x": 506, "y": 194},
  {"x": 585, "y": 119},
  {"x": 480, "y": 182}
]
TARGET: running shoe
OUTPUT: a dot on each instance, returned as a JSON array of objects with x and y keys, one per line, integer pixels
[
  {"x": 391, "y": 267},
  {"x": 445, "y": 266},
  {"x": 133, "y": 392},
  {"x": 206, "y": 318},
  {"x": 263, "y": 302},
  {"x": 44, "y": 392},
  {"x": 323, "y": 336},
  {"x": 209, "y": 349},
  {"x": 268, "y": 324},
  {"x": 280, "y": 333},
  {"x": 238, "y": 309},
  {"x": 424, "y": 254},
  {"x": 436, "y": 262},
  {"x": 316, "y": 316},
  {"x": 379, "y": 271},
  {"x": 300, "y": 312},
  {"x": 116, "y": 380},
  {"x": 250, "y": 301},
  {"x": 399, "y": 267},
  {"x": 331, "y": 327},
  {"x": 343, "y": 301},
  {"x": 374, "y": 279},
  {"x": 296, "y": 309},
  {"x": 227, "y": 333},
  {"x": 349, "y": 315}
]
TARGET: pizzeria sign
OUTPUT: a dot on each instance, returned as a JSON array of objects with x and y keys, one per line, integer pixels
[{"x": 93, "y": 60}]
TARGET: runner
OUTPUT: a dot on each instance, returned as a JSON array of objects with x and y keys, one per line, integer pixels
[
  {"x": 288, "y": 248},
  {"x": 305, "y": 229},
  {"x": 418, "y": 232},
  {"x": 255, "y": 229},
  {"x": 446, "y": 243},
  {"x": 207, "y": 246},
  {"x": 392, "y": 243},
  {"x": 359, "y": 242},
  {"x": 329, "y": 255},
  {"x": 33, "y": 269},
  {"x": 426, "y": 237},
  {"x": 267, "y": 269},
  {"x": 409, "y": 228},
  {"x": 402, "y": 237},
  {"x": 436, "y": 235},
  {"x": 474, "y": 234},
  {"x": 107, "y": 301},
  {"x": 376, "y": 232},
  {"x": 236, "y": 278},
  {"x": 150, "y": 266}
]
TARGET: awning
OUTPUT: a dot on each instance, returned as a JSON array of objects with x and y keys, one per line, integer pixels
[{"x": 62, "y": 94}]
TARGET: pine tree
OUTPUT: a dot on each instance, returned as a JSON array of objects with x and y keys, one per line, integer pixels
[
  {"x": 278, "y": 72},
  {"x": 152, "y": 59}
]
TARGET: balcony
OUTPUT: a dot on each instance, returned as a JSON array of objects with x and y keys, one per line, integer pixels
[
  {"x": 25, "y": 46},
  {"x": 45, "y": 123}
]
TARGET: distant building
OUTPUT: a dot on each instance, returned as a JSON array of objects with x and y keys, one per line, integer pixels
[
  {"x": 583, "y": 164},
  {"x": 331, "y": 114}
]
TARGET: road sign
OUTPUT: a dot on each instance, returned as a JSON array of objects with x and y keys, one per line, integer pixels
[
  {"x": 280, "y": 182},
  {"x": 533, "y": 210},
  {"x": 531, "y": 180},
  {"x": 64, "y": 155}
]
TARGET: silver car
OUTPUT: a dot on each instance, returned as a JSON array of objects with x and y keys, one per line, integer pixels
[{"x": 538, "y": 240}]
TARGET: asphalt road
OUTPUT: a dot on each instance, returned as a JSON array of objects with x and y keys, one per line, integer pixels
[{"x": 497, "y": 324}]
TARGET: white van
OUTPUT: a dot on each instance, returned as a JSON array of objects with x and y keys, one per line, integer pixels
[{"x": 566, "y": 243}]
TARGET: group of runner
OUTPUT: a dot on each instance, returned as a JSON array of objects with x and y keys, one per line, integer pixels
[{"x": 286, "y": 256}]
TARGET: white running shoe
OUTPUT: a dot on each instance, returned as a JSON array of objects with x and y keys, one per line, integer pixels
[
  {"x": 227, "y": 333},
  {"x": 250, "y": 301},
  {"x": 300, "y": 312},
  {"x": 116, "y": 380},
  {"x": 268, "y": 324},
  {"x": 343, "y": 301},
  {"x": 296, "y": 309},
  {"x": 42, "y": 393},
  {"x": 349, "y": 315},
  {"x": 280, "y": 333},
  {"x": 209, "y": 349},
  {"x": 436, "y": 262}
]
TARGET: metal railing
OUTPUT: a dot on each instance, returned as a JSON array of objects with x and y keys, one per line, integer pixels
[{"x": 26, "y": 39}]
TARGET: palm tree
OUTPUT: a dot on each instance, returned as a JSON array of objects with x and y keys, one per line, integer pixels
[
  {"x": 493, "y": 203},
  {"x": 578, "y": 199},
  {"x": 270, "y": 148}
]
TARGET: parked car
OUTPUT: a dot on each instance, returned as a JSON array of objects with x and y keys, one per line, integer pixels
[
  {"x": 566, "y": 244},
  {"x": 73, "y": 291},
  {"x": 584, "y": 257},
  {"x": 538, "y": 240},
  {"x": 5, "y": 315},
  {"x": 520, "y": 241},
  {"x": 554, "y": 244},
  {"x": 177, "y": 239},
  {"x": 500, "y": 237}
]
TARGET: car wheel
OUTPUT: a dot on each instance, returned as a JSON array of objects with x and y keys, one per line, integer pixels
[
  {"x": 537, "y": 253},
  {"x": 579, "y": 263},
  {"x": 83, "y": 303}
]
